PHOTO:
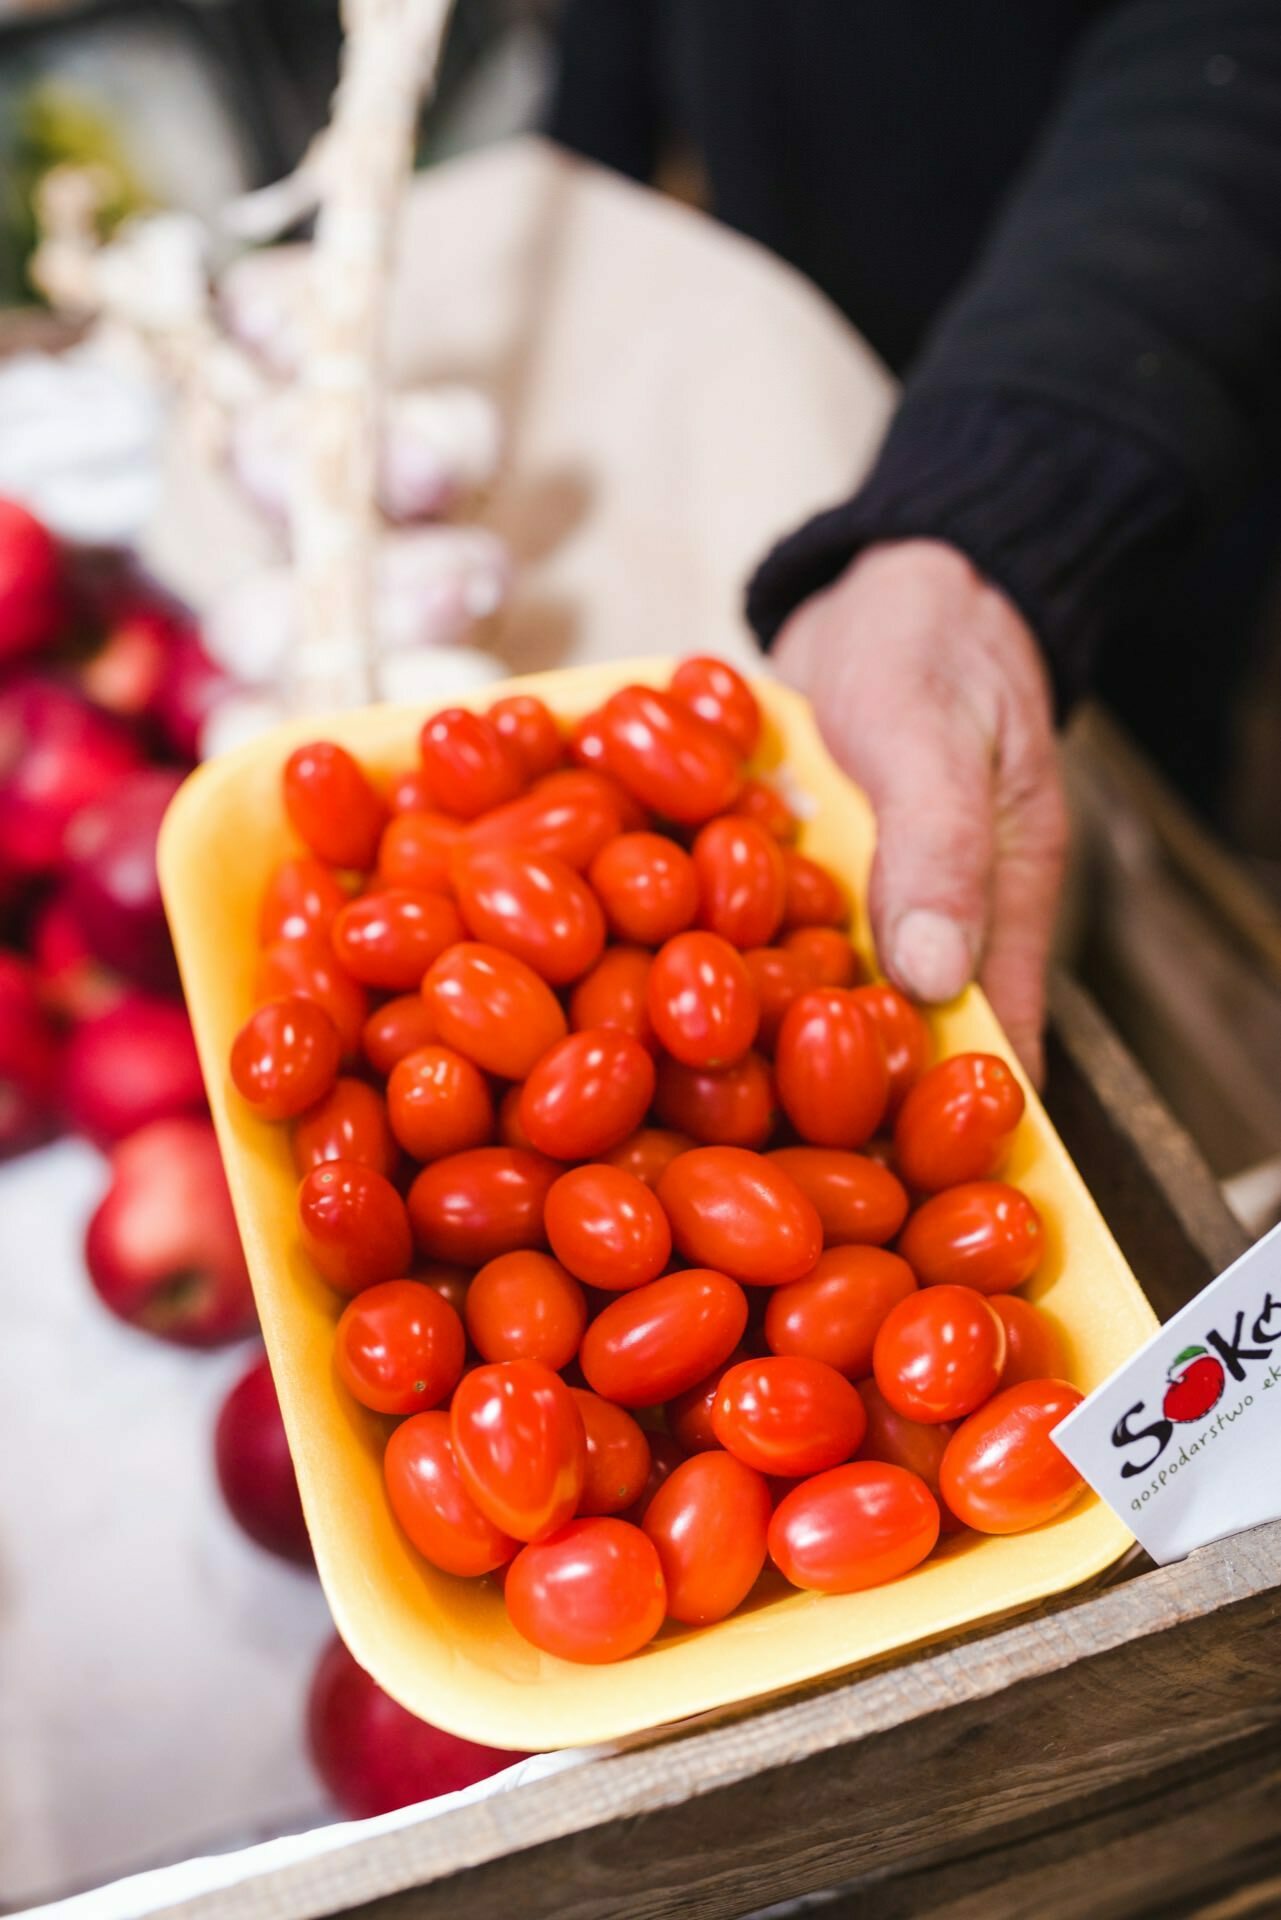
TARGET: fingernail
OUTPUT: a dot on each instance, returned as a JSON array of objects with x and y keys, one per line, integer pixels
[{"x": 930, "y": 957}]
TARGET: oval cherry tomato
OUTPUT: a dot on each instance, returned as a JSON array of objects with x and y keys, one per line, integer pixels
[
  {"x": 835, "y": 1312},
  {"x": 492, "y": 1008},
  {"x": 647, "y": 886},
  {"x": 905, "y": 1035},
  {"x": 666, "y": 757},
  {"x": 859, "y": 1202},
  {"x": 332, "y": 806},
  {"x": 524, "y": 1306},
  {"x": 709, "y": 1522},
  {"x": 814, "y": 897},
  {"x": 833, "y": 1082},
  {"x": 299, "y": 902},
  {"x": 777, "y": 978},
  {"x": 656, "y": 1341},
  {"x": 689, "y": 1415},
  {"x": 788, "y": 1415},
  {"x": 957, "y": 1122},
  {"x": 439, "y": 1103},
  {"x": 527, "y": 726},
  {"x": 285, "y": 1057},
  {"x": 469, "y": 766},
  {"x": 309, "y": 969},
  {"x": 470, "y": 1207},
  {"x": 398, "y": 1027},
  {"x": 856, "y": 1526},
  {"x": 984, "y": 1235},
  {"x": 587, "y": 1093},
  {"x": 742, "y": 1214},
  {"x": 939, "y": 1353},
  {"x": 664, "y": 1458},
  {"x": 409, "y": 792},
  {"x": 1002, "y": 1473},
  {"x": 399, "y": 1347},
  {"x": 520, "y": 1446},
  {"x": 740, "y": 881},
  {"x": 906, "y": 1443},
  {"x": 594, "y": 1593},
  {"x": 451, "y": 1283},
  {"x": 607, "y": 1227},
  {"x": 510, "y": 1131},
  {"x": 649, "y": 1152},
  {"x": 350, "y": 1123},
  {"x": 718, "y": 693},
  {"x": 416, "y": 850},
  {"x": 587, "y": 742},
  {"x": 826, "y": 955},
  {"x": 729, "y": 1106},
  {"x": 759, "y": 801},
  {"x": 433, "y": 1506},
  {"x": 616, "y": 994},
  {"x": 532, "y": 905},
  {"x": 1034, "y": 1348},
  {"x": 390, "y": 939},
  {"x": 618, "y": 1458},
  {"x": 569, "y": 815},
  {"x": 354, "y": 1225},
  {"x": 701, "y": 1001}
]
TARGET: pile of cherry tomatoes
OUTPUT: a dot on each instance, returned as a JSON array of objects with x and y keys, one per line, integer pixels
[{"x": 607, "y": 1141}]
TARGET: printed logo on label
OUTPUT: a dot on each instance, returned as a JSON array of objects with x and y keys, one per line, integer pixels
[{"x": 1195, "y": 1383}]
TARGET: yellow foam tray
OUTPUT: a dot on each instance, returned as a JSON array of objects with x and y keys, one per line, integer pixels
[{"x": 443, "y": 1646}]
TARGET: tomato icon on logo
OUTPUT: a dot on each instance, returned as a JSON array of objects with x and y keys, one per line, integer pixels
[{"x": 1196, "y": 1382}]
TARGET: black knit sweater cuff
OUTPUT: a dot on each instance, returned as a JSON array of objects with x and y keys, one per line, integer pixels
[{"x": 1063, "y": 513}]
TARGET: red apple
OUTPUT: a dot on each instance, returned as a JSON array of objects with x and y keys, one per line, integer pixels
[
  {"x": 111, "y": 876},
  {"x": 28, "y": 1060},
  {"x": 1196, "y": 1381},
  {"x": 57, "y": 753},
  {"x": 31, "y": 597},
  {"x": 255, "y": 1469},
  {"x": 74, "y": 984},
  {"x": 128, "y": 1066},
  {"x": 162, "y": 1249},
  {"x": 191, "y": 685},
  {"x": 373, "y": 1755}
]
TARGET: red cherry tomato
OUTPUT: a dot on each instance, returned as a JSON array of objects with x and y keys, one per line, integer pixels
[
  {"x": 1034, "y": 1348},
  {"x": 285, "y": 1057},
  {"x": 616, "y": 994},
  {"x": 939, "y": 1353},
  {"x": 492, "y": 1008},
  {"x": 814, "y": 897},
  {"x": 656, "y": 1341},
  {"x": 985, "y": 1235},
  {"x": 664, "y": 1458},
  {"x": 826, "y": 955},
  {"x": 701, "y": 1001},
  {"x": 527, "y": 726},
  {"x": 451, "y": 1283},
  {"x": 1002, "y": 1473},
  {"x": 758, "y": 801},
  {"x": 742, "y": 1214},
  {"x": 398, "y": 1027},
  {"x": 309, "y": 969},
  {"x": 689, "y": 1415},
  {"x": 520, "y": 1446},
  {"x": 399, "y": 1347},
  {"x": 433, "y": 1506},
  {"x": 856, "y": 1526},
  {"x": 468, "y": 764},
  {"x": 332, "y": 806},
  {"x": 416, "y": 850},
  {"x": 833, "y": 1082},
  {"x": 390, "y": 939},
  {"x": 587, "y": 742},
  {"x": 510, "y": 1131},
  {"x": 905, "y": 1034},
  {"x": 957, "y": 1122},
  {"x": 594, "y": 1593},
  {"x": 618, "y": 1457},
  {"x": 788, "y": 1415},
  {"x": 532, "y": 905},
  {"x": 732, "y": 1106},
  {"x": 718, "y": 693},
  {"x": 299, "y": 902},
  {"x": 569, "y": 815},
  {"x": 587, "y": 1093},
  {"x": 709, "y": 1522},
  {"x": 647, "y": 886},
  {"x": 354, "y": 1225},
  {"x": 649, "y": 1152},
  {"x": 350, "y": 1123},
  {"x": 470, "y": 1207},
  {"x": 858, "y": 1201},
  {"x": 409, "y": 792},
  {"x": 666, "y": 757},
  {"x": 777, "y": 978},
  {"x": 906, "y": 1443},
  {"x": 607, "y": 1227},
  {"x": 741, "y": 882},
  {"x": 835, "y": 1312},
  {"x": 439, "y": 1103},
  {"x": 524, "y": 1306}
]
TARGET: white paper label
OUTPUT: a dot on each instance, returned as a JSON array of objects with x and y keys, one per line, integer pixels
[{"x": 1185, "y": 1441}]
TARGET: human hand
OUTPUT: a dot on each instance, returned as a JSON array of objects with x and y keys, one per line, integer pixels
[{"x": 930, "y": 691}]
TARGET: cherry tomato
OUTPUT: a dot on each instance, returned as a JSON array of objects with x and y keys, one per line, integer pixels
[
  {"x": 826, "y": 955},
  {"x": 740, "y": 881},
  {"x": 618, "y": 1457},
  {"x": 607, "y": 1227},
  {"x": 390, "y": 939},
  {"x": 689, "y": 1415},
  {"x": 906, "y": 1443},
  {"x": 594, "y": 1593},
  {"x": 666, "y": 757},
  {"x": 569, "y": 815},
  {"x": 492, "y": 1008},
  {"x": 858, "y": 1201},
  {"x": 520, "y": 1446},
  {"x": 939, "y": 1353},
  {"x": 350, "y": 1123},
  {"x": 587, "y": 742},
  {"x": 510, "y": 1131},
  {"x": 285, "y": 1057},
  {"x": 409, "y": 792},
  {"x": 905, "y": 1034},
  {"x": 758, "y": 801},
  {"x": 835, "y": 1312},
  {"x": 664, "y": 1458},
  {"x": 332, "y": 806},
  {"x": 451, "y": 1283},
  {"x": 984, "y": 1235},
  {"x": 718, "y": 693},
  {"x": 647, "y": 886},
  {"x": 701, "y": 1001},
  {"x": 416, "y": 849},
  {"x": 856, "y": 1526},
  {"x": 532, "y": 905},
  {"x": 814, "y": 897},
  {"x": 833, "y": 1082},
  {"x": 299, "y": 902},
  {"x": 528, "y": 728},
  {"x": 649, "y": 1152},
  {"x": 957, "y": 1122},
  {"x": 439, "y": 1103},
  {"x": 1033, "y": 1345},
  {"x": 1002, "y": 1472},
  {"x": 616, "y": 994},
  {"x": 732, "y": 1106},
  {"x": 788, "y": 1415},
  {"x": 469, "y": 766},
  {"x": 470, "y": 1207},
  {"x": 777, "y": 978},
  {"x": 741, "y": 1213},
  {"x": 354, "y": 1225},
  {"x": 656, "y": 1341},
  {"x": 433, "y": 1506},
  {"x": 310, "y": 969},
  {"x": 398, "y": 1027},
  {"x": 524, "y": 1306},
  {"x": 587, "y": 1093},
  {"x": 709, "y": 1522},
  {"x": 399, "y": 1347}
]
